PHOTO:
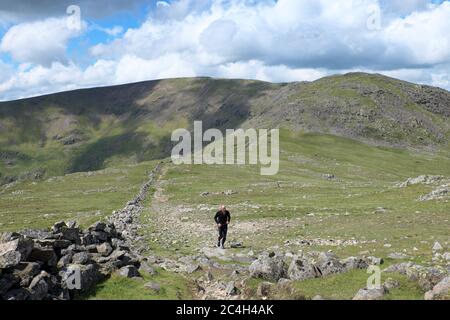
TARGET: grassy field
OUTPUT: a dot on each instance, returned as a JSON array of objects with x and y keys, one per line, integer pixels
[
  {"x": 361, "y": 203},
  {"x": 173, "y": 287},
  {"x": 85, "y": 197}
]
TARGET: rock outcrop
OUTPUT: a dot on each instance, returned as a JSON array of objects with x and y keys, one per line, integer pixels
[{"x": 54, "y": 265}]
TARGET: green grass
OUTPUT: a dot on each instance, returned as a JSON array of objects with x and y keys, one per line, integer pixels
[
  {"x": 85, "y": 197},
  {"x": 173, "y": 287},
  {"x": 298, "y": 203},
  {"x": 341, "y": 209}
]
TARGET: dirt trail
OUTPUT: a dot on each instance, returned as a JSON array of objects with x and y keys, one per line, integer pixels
[{"x": 214, "y": 271}]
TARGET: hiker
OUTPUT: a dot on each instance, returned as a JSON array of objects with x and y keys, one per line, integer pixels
[{"x": 222, "y": 218}]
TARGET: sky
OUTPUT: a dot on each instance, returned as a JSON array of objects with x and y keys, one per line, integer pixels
[{"x": 49, "y": 46}]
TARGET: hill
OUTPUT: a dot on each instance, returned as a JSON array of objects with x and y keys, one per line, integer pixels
[{"x": 92, "y": 129}]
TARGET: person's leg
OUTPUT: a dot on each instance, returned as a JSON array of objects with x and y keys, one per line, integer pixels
[
  {"x": 219, "y": 240},
  {"x": 224, "y": 235}
]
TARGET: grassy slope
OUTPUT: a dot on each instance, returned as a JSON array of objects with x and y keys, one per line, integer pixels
[
  {"x": 85, "y": 197},
  {"x": 173, "y": 287}
]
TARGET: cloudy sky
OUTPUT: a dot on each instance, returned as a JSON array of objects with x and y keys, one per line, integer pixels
[{"x": 56, "y": 45}]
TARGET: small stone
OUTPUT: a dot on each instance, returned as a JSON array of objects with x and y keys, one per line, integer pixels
[
  {"x": 153, "y": 286},
  {"x": 80, "y": 258},
  {"x": 231, "y": 289},
  {"x": 104, "y": 249},
  {"x": 129, "y": 272},
  {"x": 437, "y": 246},
  {"x": 264, "y": 289}
]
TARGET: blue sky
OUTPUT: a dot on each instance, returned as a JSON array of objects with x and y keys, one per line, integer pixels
[{"x": 286, "y": 40}]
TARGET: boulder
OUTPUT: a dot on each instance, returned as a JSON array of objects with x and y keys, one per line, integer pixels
[
  {"x": 328, "y": 263},
  {"x": 57, "y": 227},
  {"x": 44, "y": 255},
  {"x": 88, "y": 239},
  {"x": 100, "y": 236},
  {"x": 352, "y": 263},
  {"x": 14, "y": 251},
  {"x": 54, "y": 243},
  {"x": 8, "y": 236},
  {"x": 80, "y": 277},
  {"x": 440, "y": 291},
  {"x": 399, "y": 268},
  {"x": 104, "y": 249},
  {"x": 98, "y": 226},
  {"x": 264, "y": 289},
  {"x": 270, "y": 268},
  {"x": 153, "y": 286},
  {"x": 64, "y": 261},
  {"x": 9, "y": 259},
  {"x": 370, "y": 294},
  {"x": 231, "y": 289},
  {"x": 80, "y": 258},
  {"x": 39, "y": 286},
  {"x": 146, "y": 268},
  {"x": 26, "y": 271},
  {"x": 301, "y": 269},
  {"x": 71, "y": 234},
  {"x": 129, "y": 272},
  {"x": 398, "y": 256}
]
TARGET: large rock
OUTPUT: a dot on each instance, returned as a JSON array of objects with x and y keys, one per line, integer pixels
[
  {"x": 328, "y": 263},
  {"x": 80, "y": 277},
  {"x": 39, "y": 286},
  {"x": 44, "y": 254},
  {"x": 270, "y": 268},
  {"x": 12, "y": 252},
  {"x": 26, "y": 271},
  {"x": 302, "y": 268},
  {"x": 231, "y": 289},
  {"x": 80, "y": 258},
  {"x": 440, "y": 291},
  {"x": 129, "y": 272},
  {"x": 71, "y": 234},
  {"x": 399, "y": 268},
  {"x": 352, "y": 263},
  {"x": 9, "y": 259},
  {"x": 370, "y": 294},
  {"x": 98, "y": 226},
  {"x": 104, "y": 249}
]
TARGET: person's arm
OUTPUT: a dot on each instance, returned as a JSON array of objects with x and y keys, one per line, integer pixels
[
  {"x": 216, "y": 218},
  {"x": 228, "y": 218}
]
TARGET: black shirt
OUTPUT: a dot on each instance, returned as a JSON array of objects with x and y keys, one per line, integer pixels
[{"x": 222, "y": 217}]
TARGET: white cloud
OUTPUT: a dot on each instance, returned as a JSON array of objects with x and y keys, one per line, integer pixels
[
  {"x": 280, "y": 41},
  {"x": 41, "y": 42}
]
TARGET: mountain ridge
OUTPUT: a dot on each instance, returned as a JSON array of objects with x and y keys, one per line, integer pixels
[{"x": 90, "y": 129}]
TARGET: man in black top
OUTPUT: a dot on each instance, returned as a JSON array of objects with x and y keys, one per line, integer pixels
[{"x": 222, "y": 218}]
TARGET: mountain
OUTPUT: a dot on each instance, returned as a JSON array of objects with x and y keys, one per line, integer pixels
[{"x": 91, "y": 129}]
